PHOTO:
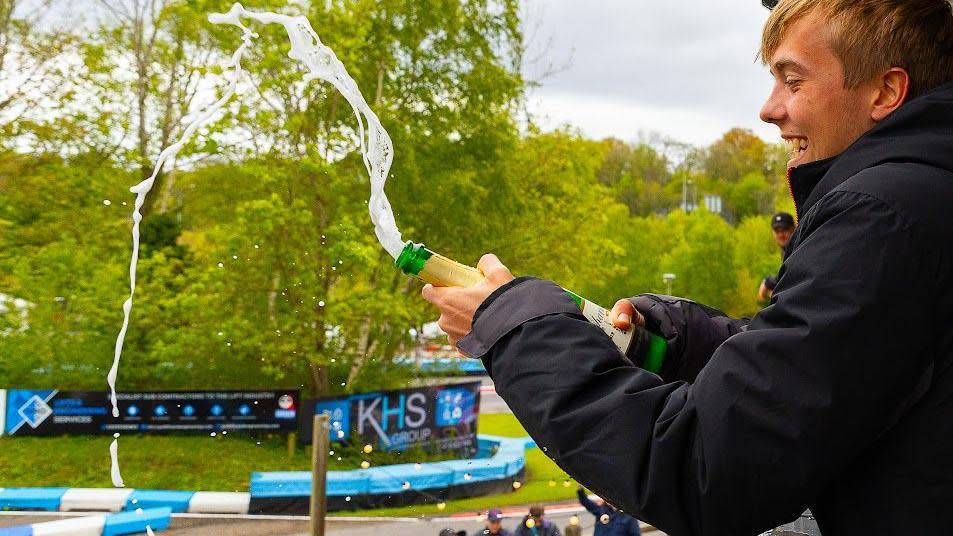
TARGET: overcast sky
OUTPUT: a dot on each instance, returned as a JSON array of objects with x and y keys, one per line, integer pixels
[{"x": 684, "y": 69}]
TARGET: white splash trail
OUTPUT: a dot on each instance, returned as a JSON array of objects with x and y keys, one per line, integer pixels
[
  {"x": 114, "y": 467},
  {"x": 141, "y": 190},
  {"x": 376, "y": 149},
  {"x": 321, "y": 62}
]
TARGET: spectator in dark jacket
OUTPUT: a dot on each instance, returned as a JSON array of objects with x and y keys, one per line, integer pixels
[
  {"x": 782, "y": 227},
  {"x": 837, "y": 396},
  {"x": 536, "y": 524},
  {"x": 494, "y": 524},
  {"x": 609, "y": 521}
]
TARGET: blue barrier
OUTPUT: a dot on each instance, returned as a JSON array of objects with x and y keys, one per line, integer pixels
[
  {"x": 506, "y": 458},
  {"x": 106, "y": 525},
  {"x": 31, "y": 498},
  {"x": 177, "y": 501},
  {"x": 136, "y": 521},
  {"x": 431, "y": 365}
]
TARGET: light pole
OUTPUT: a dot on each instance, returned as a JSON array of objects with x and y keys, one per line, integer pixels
[{"x": 667, "y": 279}]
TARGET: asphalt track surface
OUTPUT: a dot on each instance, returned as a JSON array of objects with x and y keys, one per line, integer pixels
[{"x": 231, "y": 525}]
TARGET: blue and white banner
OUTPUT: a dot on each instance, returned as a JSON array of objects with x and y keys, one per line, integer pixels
[
  {"x": 440, "y": 417},
  {"x": 51, "y": 412}
]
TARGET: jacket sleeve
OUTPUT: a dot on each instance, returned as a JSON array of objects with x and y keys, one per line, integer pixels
[
  {"x": 691, "y": 330},
  {"x": 587, "y": 504},
  {"x": 776, "y": 413}
]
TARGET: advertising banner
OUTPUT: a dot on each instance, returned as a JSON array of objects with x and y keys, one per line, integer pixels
[
  {"x": 436, "y": 418},
  {"x": 52, "y": 412}
]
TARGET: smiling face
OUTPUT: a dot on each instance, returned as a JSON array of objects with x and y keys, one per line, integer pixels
[{"x": 818, "y": 116}]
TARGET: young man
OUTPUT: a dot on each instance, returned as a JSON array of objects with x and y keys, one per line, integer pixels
[
  {"x": 839, "y": 395},
  {"x": 782, "y": 227},
  {"x": 494, "y": 524}
]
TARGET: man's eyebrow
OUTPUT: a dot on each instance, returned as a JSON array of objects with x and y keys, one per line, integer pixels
[{"x": 787, "y": 64}]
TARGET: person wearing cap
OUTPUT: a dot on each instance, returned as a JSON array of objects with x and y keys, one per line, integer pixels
[
  {"x": 838, "y": 396},
  {"x": 609, "y": 520},
  {"x": 536, "y": 524},
  {"x": 494, "y": 524},
  {"x": 782, "y": 225}
]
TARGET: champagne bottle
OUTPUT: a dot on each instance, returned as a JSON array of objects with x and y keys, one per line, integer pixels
[{"x": 433, "y": 268}]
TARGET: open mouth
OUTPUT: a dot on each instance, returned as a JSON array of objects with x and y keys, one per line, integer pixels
[{"x": 796, "y": 147}]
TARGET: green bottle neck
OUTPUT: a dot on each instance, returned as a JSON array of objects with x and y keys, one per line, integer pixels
[{"x": 413, "y": 258}]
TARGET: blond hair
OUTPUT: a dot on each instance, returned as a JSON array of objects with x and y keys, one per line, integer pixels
[{"x": 871, "y": 36}]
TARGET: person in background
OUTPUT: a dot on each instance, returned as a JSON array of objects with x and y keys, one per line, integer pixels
[
  {"x": 494, "y": 524},
  {"x": 609, "y": 520},
  {"x": 782, "y": 224},
  {"x": 573, "y": 528},
  {"x": 535, "y": 524}
]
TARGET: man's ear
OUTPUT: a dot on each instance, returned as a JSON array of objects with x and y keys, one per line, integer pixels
[{"x": 892, "y": 89}]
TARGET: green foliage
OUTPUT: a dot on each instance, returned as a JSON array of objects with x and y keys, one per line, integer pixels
[{"x": 259, "y": 265}]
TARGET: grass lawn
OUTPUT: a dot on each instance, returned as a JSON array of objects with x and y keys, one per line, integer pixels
[{"x": 225, "y": 463}]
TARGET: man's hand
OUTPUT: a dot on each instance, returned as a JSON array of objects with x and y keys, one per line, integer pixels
[
  {"x": 457, "y": 305},
  {"x": 623, "y": 313},
  {"x": 764, "y": 292}
]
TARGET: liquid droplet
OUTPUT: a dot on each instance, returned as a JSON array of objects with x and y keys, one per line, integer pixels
[
  {"x": 221, "y": 265},
  {"x": 321, "y": 303},
  {"x": 348, "y": 498},
  {"x": 368, "y": 449},
  {"x": 406, "y": 485},
  {"x": 365, "y": 464},
  {"x": 517, "y": 484},
  {"x": 441, "y": 505},
  {"x": 467, "y": 476},
  {"x": 212, "y": 434},
  {"x": 107, "y": 202},
  {"x": 604, "y": 519}
]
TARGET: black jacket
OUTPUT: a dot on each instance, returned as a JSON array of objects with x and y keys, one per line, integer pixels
[
  {"x": 547, "y": 528},
  {"x": 838, "y": 396}
]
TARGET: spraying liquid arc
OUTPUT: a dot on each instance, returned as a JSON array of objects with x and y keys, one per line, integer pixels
[
  {"x": 321, "y": 63},
  {"x": 142, "y": 190}
]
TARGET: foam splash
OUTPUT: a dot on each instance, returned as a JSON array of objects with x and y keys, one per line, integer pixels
[
  {"x": 142, "y": 190},
  {"x": 321, "y": 63},
  {"x": 114, "y": 464}
]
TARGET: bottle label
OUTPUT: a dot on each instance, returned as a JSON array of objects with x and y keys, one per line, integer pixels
[{"x": 600, "y": 317}]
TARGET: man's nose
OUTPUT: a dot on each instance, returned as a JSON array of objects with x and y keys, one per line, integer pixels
[{"x": 773, "y": 110}]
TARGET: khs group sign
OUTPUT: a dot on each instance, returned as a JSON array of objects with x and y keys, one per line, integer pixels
[{"x": 436, "y": 417}]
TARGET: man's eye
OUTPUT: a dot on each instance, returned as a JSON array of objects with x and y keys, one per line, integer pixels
[{"x": 792, "y": 82}]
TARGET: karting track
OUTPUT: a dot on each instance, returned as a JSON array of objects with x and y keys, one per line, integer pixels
[{"x": 235, "y": 525}]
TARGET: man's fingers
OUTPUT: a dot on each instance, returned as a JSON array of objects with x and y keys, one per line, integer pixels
[
  {"x": 621, "y": 314},
  {"x": 494, "y": 270},
  {"x": 624, "y": 314}
]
